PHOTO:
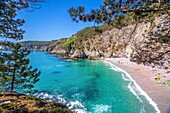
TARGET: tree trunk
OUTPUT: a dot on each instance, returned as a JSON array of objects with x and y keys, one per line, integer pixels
[{"x": 13, "y": 79}]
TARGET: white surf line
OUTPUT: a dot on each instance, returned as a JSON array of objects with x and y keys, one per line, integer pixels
[{"x": 138, "y": 87}]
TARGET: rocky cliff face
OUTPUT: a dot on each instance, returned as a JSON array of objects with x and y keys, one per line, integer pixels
[
  {"x": 55, "y": 47},
  {"x": 143, "y": 42}
]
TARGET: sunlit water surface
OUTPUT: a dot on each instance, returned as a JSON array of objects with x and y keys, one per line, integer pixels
[{"x": 87, "y": 86}]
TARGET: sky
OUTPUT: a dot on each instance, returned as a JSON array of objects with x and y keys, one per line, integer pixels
[{"x": 52, "y": 21}]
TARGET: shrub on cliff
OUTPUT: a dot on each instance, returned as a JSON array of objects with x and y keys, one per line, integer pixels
[{"x": 66, "y": 44}]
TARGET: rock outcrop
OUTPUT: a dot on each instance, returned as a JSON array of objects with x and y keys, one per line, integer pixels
[
  {"x": 145, "y": 42},
  {"x": 11, "y": 102},
  {"x": 55, "y": 47}
]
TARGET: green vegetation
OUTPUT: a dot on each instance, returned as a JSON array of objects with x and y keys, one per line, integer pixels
[
  {"x": 119, "y": 14},
  {"x": 66, "y": 44},
  {"x": 15, "y": 71},
  {"x": 20, "y": 103},
  {"x": 166, "y": 83},
  {"x": 10, "y": 25},
  {"x": 118, "y": 22},
  {"x": 53, "y": 43},
  {"x": 117, "y": 8},
  {"x": 86, "y": 33}
]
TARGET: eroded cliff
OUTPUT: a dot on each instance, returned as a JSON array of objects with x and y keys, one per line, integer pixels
[{"x": 144, "y": 41}]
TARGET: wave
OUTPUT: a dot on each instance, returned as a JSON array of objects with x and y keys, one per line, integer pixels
[
  {"x": 48, "y": 97},
  {"x": 75, "y": 106},
  {"x": 134, "y": 87},
  {"x": 125, "y": 77},
  {"x": 101, "y": 108},
  {"x": 114, "y": 69}
]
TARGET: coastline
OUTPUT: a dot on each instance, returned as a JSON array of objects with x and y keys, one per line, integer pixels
[
  {"x": 145, "y": 79},
  {"x": 13, "y": 102}
]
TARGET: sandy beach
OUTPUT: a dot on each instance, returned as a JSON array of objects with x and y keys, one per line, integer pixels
[{"x": 146, "y": 77}]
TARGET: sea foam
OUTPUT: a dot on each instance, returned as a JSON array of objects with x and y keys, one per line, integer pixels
[
  {"x": 75, "y": 106},
  {"x": 135, "y": 88},
  {"x": 102, "y": 108}
]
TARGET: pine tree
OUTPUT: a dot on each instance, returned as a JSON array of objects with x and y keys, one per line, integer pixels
[
  {"x": 10, "y": 26},
  {"x": 15, "y": 73},
  {"x": 110, "y": 9},
  {"x": 4, "y": 78}
]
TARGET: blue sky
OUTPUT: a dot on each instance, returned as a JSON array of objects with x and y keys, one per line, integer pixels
[{"x": 52, "y": 20}]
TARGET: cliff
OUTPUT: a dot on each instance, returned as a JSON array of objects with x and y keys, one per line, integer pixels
[
  {"x": 55, "y": 47},
  {"x": 146, "y": 41},
  {"x": 35, "y": 45}
]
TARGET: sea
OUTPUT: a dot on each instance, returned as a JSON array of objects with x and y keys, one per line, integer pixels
[{"x": 88, "y": 86}]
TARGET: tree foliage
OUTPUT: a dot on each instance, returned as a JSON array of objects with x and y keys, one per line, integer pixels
[
  {"x": 15, "y": 71},
  {"x": 10, "y": 26},
  {"x": 116, "y": 8}
]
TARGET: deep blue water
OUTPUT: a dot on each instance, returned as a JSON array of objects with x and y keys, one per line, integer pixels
[{"x": 87, "y": 86}]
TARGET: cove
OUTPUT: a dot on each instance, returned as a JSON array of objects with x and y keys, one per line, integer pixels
[{"x": 88, "y": 86}]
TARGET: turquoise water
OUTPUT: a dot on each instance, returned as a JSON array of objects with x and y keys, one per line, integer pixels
[{"x": 87, "y": 86}]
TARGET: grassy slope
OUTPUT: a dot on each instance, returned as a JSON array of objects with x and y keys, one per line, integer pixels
[{"x": 23, "y": 103}]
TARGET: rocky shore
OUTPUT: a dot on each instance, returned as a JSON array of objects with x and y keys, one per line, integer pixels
[{"x": 11, "y": 102}]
